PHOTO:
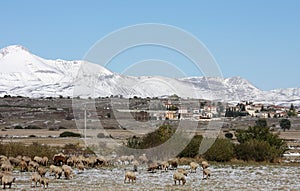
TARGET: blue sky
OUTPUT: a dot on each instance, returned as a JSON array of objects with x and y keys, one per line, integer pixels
[{"x": 258, "y": 40}]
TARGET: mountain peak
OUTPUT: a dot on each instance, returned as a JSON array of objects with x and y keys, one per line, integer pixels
[{"x": 12, "y": 49}]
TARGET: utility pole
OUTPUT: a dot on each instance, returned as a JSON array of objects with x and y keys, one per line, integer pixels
[{"x": 85, "y": 125}]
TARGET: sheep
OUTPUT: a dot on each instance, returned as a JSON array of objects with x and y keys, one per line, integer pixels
[
  {"x": 173, "y": 163},
  {"x": 56, "y": 170},
  {"x": 33, "y": 166},
  {"x": 7, "y": 179},
  {"x": 35, "y": 179},
  {"x": 207, "y": 173},
  {"x": 68, "y": 172},
  {"x": 45, "y": 161},
  {"x": 135, "y": 165},
  {"x": 177, "y": 176},
  {"x": 80, "y": 166},
  {"x": 59, "y": 159},
  {"x": 123, "y": 160},
  {"x": 164, "y": 165},
  {"x": 42, "y": 171},
  {"x": 194, "y": 167},
  {"x": 143, "y": 158},
  {"x": 26, "y": 159},
  {"x": 23, "y": 166},
  {"x": 14, "y": 161},
  {"x": 204, "y": 165},
  {"x": 152, "y": 167},
  {"x": 130, "y": 159},
  {"x": 38, "y": 160},
  {"x": 45, "y": 182},
  {"x": 101, "y": 161},
  {"x": 6, "y": 166},
  {"x": 182, "y": 171},
  {"x": 130, "y": 176}
]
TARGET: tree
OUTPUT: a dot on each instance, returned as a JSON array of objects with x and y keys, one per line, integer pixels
[
  {"x": 259, "y": 144},
  {"x": 261, "y": 123},
  {"x": 285, "y": 124},
  {"x": 292, "y": 108}
]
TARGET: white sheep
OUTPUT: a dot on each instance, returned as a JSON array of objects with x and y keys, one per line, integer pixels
[
  {"x": 194, "y": 166},
  {"x": 7, "y": 179},
  {"x": 177, "y": 176},
  {"x": 68, "y": 172},
  {"x": 35, "y": 179},
  {"x": 130, "y": 176}
]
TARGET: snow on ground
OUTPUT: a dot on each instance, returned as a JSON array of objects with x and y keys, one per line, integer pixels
[{"x": 224, "y": 177}]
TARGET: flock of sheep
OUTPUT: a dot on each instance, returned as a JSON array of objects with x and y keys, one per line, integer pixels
[
  {"x": 62, "y": 166},
  {"x": 178, "y": 176}
]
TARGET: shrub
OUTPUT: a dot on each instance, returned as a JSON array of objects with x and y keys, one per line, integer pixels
[
  {"x": 35, "y": 149},
  {"x": 101, "y": 135},
  {"x": 221, "y": 151},
  {"x": 153, "y": 139},
  {"x": 69, "y": 134},
  {"x": 257, "y": 150},
  {"x": 18, "y": 127},
  {"x": 259, "y": 144},
  {"x": 32, "y": 127},
  {"x": 229, "y": 135}
]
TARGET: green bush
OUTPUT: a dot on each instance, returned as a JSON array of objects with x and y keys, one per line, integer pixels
[
  {"x": 153, "y": 139},
  {"x": 221, "y": 151},
  {"x": 257, "y": 150},
  {"x": 69, "y": 134},
  {"x": 259, "y": 144}
]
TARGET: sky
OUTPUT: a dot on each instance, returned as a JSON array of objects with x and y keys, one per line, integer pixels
[{"x": 257, "y": 40}]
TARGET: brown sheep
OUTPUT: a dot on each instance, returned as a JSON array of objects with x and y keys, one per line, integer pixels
[
  {"x": 177, "y": 176},
  {"x": 204, "y": 165},
  {"x": 35, "y": 179},
  {"x": 206, "y": 173},
  {"x": 7, "y": 179},
  {"x": 194, "y": 167},
  {"x": 23, "y": 166},
  {"x": 130, "y": 176},
  {"x": 59, "y": 159},
  {"x": 173, "y": 163}
]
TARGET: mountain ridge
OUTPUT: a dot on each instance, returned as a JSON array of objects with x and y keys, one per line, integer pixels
[{"x": 25, "y": 74}]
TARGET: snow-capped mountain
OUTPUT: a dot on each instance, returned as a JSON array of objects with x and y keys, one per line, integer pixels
[{"x": 26, "y": 74}]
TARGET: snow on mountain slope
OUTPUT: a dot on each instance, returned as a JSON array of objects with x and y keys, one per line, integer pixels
[{"x": 26, "y": 74}]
